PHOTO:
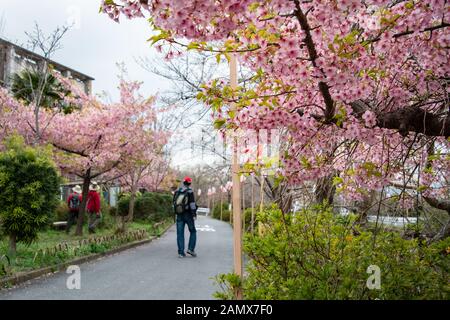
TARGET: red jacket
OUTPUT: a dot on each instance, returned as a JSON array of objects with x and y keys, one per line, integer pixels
[
  {"x": 70, "y": 198},
  {"x": 93, "y": 202}
]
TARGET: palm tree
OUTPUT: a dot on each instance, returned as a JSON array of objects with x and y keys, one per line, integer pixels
[
  {"x": 28, "y": 84},
  {"x": 45, "y": 90}
]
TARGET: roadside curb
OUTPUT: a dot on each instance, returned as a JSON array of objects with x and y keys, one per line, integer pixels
[
  {"x": 165, "y": 230},
  {"x": 30, "y": 275}
]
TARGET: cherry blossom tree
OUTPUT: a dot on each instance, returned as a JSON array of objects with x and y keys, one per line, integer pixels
[
  {"x": 94, "y": 139},
  {"x": 144, "y": 169},
  {"x": 362, "y": 86}
]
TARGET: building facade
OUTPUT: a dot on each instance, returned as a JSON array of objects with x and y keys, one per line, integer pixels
[{"x": 14, "y": 59}]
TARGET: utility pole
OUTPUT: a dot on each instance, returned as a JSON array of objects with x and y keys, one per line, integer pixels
[{"x": 237, "y": 220}]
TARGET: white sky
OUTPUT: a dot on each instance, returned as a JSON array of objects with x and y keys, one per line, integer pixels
[{"x": 93, "y": 46}]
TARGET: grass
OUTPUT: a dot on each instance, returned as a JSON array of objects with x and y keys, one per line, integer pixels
[{"x": 31, "y": 257}]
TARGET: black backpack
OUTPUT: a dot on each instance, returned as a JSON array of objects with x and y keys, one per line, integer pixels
[
  {"x": 74, "y": 203},
  {"x": 180, "y": 202}
]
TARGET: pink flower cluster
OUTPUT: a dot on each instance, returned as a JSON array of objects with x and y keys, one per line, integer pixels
[
  {"x": 389, "y": 54},
  {"x": 95, "y": 136}
]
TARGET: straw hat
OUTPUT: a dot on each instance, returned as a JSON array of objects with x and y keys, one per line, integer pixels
[
  {"x": 94, "y": 186},
  {"x": 77, "y": 189}
]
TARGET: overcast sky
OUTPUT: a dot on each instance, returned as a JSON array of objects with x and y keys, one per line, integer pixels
[{"x": 93, "y": 46}]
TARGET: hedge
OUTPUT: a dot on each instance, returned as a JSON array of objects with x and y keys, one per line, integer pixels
[{"x": 148, "y": 206}]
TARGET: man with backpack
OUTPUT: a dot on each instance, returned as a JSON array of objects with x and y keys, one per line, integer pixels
[
  {"x": 186, "y": 211},
  {"x": 73, "y": 202}
]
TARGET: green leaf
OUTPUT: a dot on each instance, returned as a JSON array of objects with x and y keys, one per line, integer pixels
[
  {"x": 337, "y": 181},
  {"x": 218, "y": 123},
  {"x": 193, "y": 45}
]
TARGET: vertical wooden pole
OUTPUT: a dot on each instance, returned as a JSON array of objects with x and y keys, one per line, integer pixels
[
  {"x": 237, "y": 221},
  {"x": 253, "y": 206},
  {"x": 243, "y": 207},
  {"x": 212, "y": 199},
  {"x": 261, "y": 206},
  {"x": 221, "y": 204}
]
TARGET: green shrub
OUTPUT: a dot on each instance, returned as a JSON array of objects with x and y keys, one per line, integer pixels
[
  {"x": 248, "y": 218},
  {"x": 113, "y": 211},
  {"x": 122, "y": 205},
  {"x": 29, "y": 190},
  {"x": 226, "y": 216},
  {"x": 147, "y": 206},
  {"x": 225, "y": 212},
  {"x": 104, "y": 206},
  {"x": 318, "y": 255},
  {"x": 107, "y": 220},
  {"x": 153, "y": 206},
  {"x": 61, "y": 212}
]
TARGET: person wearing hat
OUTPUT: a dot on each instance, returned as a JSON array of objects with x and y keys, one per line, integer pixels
[
  {"x": 93, "y": 206},
  {"x": 186, "y": 211},
  {"x": 73, "y": 202}
]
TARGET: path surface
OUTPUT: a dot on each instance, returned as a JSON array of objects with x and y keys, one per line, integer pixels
[{"x": 152, "y": 271}]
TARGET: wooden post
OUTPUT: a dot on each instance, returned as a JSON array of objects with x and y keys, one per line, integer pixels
[
  {"x": 261, "y": 206},
  {"x": 212, "y": 200},
  {"x": 237, "y": 221},
  {"x": 253, "y": 206},
  {"x": 243, "y": 207},
  {"x": 221, "y": 204}
]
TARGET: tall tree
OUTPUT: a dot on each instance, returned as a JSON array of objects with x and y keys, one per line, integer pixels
[
  {"x": 36, "y": 85},
  {"x": 29, "y": 190},
  {"x": 94, "y": 139},
  {"x": 361, "y": 86}
]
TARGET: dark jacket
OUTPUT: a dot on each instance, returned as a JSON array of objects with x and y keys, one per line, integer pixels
[
  {"x": 192, "y": 206},
  {"x": 70, "y": 198}
]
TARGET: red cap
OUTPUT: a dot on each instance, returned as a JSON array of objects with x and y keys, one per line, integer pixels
[{"x": 187, "y": 179}]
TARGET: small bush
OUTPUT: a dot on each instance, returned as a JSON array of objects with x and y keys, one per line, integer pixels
[
  {"x": 225, "y": 212},
  {"x": 122, "y": 205},
  {"x": 113, "y": 211},
  {"x": 226, "y": 216},
  {"x": 153, "y": 206},
  {"x": 29, "y": 190},
  {"x": 107, "y": 221},
  {"x": 61, "y": 212},
  {"x": 318, "y": 255},
  {"x": 147, "y": 206},
  {"x": 248, "y": 218}
]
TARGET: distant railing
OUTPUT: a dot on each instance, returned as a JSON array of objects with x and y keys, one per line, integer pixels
[{"x": 203, "y": 211}]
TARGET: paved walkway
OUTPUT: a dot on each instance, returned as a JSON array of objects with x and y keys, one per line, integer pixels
[{"x": 152, "y": 271}]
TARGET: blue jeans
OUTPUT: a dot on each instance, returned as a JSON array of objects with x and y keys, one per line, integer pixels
[{"x": 182, "y": 220}]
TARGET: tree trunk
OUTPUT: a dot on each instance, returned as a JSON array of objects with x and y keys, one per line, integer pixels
[
  {"x": 121, "y": 227},
  {"x": 86, "y": 183},
  {"x": 37, "y": 137},
  {"x": 253, "y": 206},
  {"x": 285, "y": 202},
  {"x": 364, "y": 206},
  {"x": 324, "y": 192},
  {"x": 221, "y": 206},
  {"x": 12, "y": 244},
  {"x": 130, "y": 215}
]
